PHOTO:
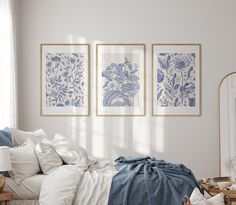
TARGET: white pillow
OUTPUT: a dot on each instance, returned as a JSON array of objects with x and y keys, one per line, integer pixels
[
  {"x": 24, "y": 161},
  {"x": 64, "y": 150},
  {"x": 19, "y": 136},
  {"x": 48, "y": 158},
  {"x": 197, "y": 198},
  {"x": 217, "y": 199},
  {"x": 64, "y": 193}
]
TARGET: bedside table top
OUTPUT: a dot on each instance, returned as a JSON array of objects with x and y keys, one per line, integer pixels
[{"x": 6, "y": 196}]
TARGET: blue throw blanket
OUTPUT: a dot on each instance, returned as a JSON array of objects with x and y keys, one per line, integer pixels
[{"x": 147, "y": 181}]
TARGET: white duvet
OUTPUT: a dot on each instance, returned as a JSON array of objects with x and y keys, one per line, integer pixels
[{"x": 78, "y": 185}]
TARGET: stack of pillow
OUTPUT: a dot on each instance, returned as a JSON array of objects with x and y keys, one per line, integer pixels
[{"x": 34, "y": 152}]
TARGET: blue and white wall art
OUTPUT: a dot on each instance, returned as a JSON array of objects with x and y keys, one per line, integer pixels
[
  {"x": 121, "y": 79},
  {"x": 176, "y": 79},
  {"x": 65, "y": 79}
]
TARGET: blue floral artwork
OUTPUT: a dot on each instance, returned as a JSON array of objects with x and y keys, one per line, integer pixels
[
  {"x": 122, "y": 84},
  {"x": 175, "y": 78},
  {"x": 64, "y": 79}
]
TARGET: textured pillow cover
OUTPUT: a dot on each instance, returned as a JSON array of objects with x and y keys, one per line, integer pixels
[
  {"x": 64, "y": 150},
  {"x": 19, "y": 136},
  {"x": 48, "y": 158},
  {"x": 198, "y": 199},
  {"x": 24, "y": 161}
]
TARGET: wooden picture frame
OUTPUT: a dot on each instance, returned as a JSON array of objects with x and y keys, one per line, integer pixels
[
  {"x": 176, "y": 79},
  {"x": 120, "y": 75},
  {"x": 65, "y": 79}
]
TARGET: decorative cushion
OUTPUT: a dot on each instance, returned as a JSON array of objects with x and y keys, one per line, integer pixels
[
  {"x": 198, "y": 199},
  {"x": 48, "y": 158},
  {"x": 5, "y": 138},
  {"x": 24, "y": 161},
  {"x": 64, "y": 150},
  {"x": 19, "y": 136}
]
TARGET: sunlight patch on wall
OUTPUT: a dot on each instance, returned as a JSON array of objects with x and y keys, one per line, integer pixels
[
  {"x": 73, "y": 129},
  {"x": 82, "y": 133},
  {"x": 141, "y": 136},
  {"x": 97, "y": 139},
  {"x": 158, "y": 135},
  {"x": 120, "y": 138},
  {"x": 79, "y": 132},
  {"x": 98, "y": 146}
]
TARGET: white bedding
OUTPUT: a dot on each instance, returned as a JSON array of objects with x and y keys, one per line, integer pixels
[
  {"x": 28, "y": 189},
  {"x": 94, "y": 186},
  {"x": 75, "y": 185},
  {"x": 24, "y": 202},
  {"x": 68, "y": 185}
]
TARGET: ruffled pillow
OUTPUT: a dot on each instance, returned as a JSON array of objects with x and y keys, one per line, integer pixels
[
  {"x": 48, "y": 158},
  {"x": 64, "y": 150},
  {"x": 198, "y": 199}
]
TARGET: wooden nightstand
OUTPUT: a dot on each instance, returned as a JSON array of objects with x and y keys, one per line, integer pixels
[{"x": 5, "y": 197}]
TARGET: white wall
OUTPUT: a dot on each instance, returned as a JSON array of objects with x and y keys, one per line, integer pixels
[{"x": 190, "y": 140}]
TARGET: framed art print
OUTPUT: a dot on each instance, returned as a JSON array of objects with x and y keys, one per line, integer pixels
[
  {"x": 120, "y": 79},
  {"x": 176, "y": 79},
  {"x": 65, "y": 79}
]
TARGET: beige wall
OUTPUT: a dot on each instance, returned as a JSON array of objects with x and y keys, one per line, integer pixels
[{"x": 189, "y": 140}]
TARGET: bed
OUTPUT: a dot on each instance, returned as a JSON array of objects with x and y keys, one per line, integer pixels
[{"x": 48, "y": 171}]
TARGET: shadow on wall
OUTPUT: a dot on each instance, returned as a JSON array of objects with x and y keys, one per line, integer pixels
[
  {"x": 110, "y": 137},
  {"x": 105, "y": 137}
]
